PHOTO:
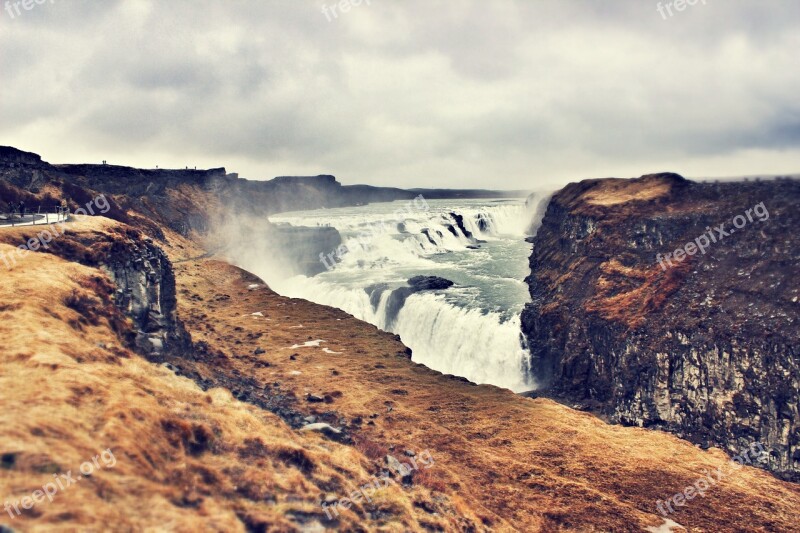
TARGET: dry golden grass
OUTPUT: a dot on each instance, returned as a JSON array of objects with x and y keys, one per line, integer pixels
[
  {"x": 189, "y": 460},
  {"x": 620, "y": 191},
  {"x": 628, "y": 295}
]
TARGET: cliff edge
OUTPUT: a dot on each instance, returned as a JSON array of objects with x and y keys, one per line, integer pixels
[{"x": 665, "y": 303}]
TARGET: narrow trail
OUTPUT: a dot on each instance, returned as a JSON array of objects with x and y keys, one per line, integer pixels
[
  {"x": 206, "y": 255},
  {"x": 35, "y": 220}
]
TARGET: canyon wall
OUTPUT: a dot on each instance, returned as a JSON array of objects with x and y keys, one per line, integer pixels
[
  {"x": 203, "y": 204},
  {"x": 190, "y": 200},
  {"x": 706, "y": 346}
]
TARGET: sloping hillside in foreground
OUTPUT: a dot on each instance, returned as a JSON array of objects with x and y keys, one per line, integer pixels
[{"x": 208, "y": 439}]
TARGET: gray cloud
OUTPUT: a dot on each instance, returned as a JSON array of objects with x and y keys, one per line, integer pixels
[{"x": 510, "y": 94}]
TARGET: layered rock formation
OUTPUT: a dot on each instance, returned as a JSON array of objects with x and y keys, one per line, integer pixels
[
  {"x": 187, "y": 200},
  {"x": 145, "y": 292},
  {"x": 700, "y": 343}
]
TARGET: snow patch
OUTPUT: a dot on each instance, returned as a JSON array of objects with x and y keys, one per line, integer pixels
[
  {"x": 308, "y": 344},
  {"x": 666, "y": 527}
]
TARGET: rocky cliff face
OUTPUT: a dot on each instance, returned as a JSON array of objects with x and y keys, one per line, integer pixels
[
  {"x": 145, "y": 292},
  {"x": 700, "y": 343}
]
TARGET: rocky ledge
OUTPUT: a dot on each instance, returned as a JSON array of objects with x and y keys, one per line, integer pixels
[{"x": 664, "y": 303}]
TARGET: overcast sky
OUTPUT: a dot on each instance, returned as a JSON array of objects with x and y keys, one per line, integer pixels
[{"x": 456, "y": 93}]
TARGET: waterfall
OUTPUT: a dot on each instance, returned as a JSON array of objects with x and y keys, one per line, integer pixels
[{"x": 470, "y": 330}]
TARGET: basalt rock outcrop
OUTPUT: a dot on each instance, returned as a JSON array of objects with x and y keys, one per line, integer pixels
[
  {"x": 704, "y": 345},
  {"x": 143, "y": 285},
  {"x": 145, "y": 292}
]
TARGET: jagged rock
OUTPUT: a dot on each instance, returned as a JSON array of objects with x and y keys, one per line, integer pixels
[
  {"x": 459, "y": 219},
  {"x": 427, "y": 233},
  {"x": 375, "y": 292},
  {"x": 146, "y": 292},
  {"x": 707, "y": 348},
  {"x": 429, "y": 283}
]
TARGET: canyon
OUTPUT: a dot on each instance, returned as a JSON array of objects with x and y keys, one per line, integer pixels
[{"x": 230, "y": 407}]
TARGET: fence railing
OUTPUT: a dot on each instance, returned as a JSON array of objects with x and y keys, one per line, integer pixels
[{"x": 24, "y": 217}]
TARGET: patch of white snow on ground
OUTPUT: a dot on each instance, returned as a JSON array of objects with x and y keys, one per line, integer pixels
[
  {"x": 308, "y": 344},
  {"x": 666, "y": 527}
]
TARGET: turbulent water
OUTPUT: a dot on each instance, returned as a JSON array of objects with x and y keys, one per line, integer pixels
[{"x": 471, "y": 329}]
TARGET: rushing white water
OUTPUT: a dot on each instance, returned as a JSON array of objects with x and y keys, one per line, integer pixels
[{"x": 471, "y": 329}]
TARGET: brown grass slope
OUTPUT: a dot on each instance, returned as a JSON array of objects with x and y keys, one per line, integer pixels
[{"x": 189, "y": 459}]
